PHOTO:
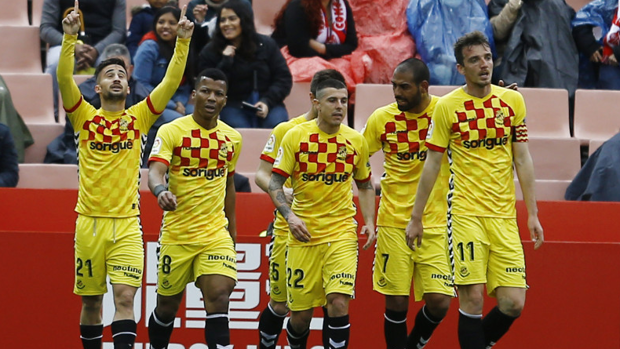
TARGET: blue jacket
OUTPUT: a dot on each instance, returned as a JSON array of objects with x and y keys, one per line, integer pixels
[
  {"x": 141, "y": 23},
  {"x": 150, "y": 68},
  {"x": 9, "y": 170}
]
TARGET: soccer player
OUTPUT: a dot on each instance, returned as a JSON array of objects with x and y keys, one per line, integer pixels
[
  {"x": 272, "y": 317},
  {"x": 399, "y": 129},
  {"x": 322, "y": 158},
  {"x": 108, "y": 237},
  {"x": 199, "y": 154},
  {"x": 483, "y": 129}
]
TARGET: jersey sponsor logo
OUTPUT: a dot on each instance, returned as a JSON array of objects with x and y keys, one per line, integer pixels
[
  {"x": 515, "y": 270},
  {"x": 270, "y": 144},
  {"x": 328, "y": 178},
  {"x": 203, "y": 172},
  {"x": 213, "y": 257},
  {"x": 112, "y": 147},
  {"x": 415, "y": 155},
  {"x": 342, "y": 276},
  {"x": 126, "y": 268},
  {"x": 488, "y": 143},
  {"x": 441, "y": 277}
]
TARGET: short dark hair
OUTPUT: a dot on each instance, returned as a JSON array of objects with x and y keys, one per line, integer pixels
[
  {"x": 324, "y": 75},
  {"x": 211, "y": 73},
  {"x": 107, "y": 62},
  {"x": 470, "y": 39},
  {"x": 417, "y": 68},
  {"x": 330, "y": 83}
]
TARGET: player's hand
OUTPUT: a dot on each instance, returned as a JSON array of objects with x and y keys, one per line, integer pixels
[
  {"x": 512, "y": 86},
  {"x": 414, "y": 232},
  {"x": 288, "y": 193},
  {"x": 167, "y": 201},
  {"x": 298, "y": 228},
  {"x": 597, "y": 56},
  {"x": 229, "y": 50},
  {"x": 71, "y": 23},
  {"x": 263, "y": 109},
  {"x": 200, "y": 12},
  {"x": 536, "y": 231},
  {"x": 371, "y": 232},
  {"x": 185, "y": 28}
]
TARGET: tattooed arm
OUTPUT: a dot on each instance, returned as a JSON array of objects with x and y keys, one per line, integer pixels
[{"x": 296, "y": 225}]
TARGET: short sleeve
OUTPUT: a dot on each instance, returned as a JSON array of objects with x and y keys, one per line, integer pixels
[
  {"x": 519, "y": 127},
  {"x": 371, "y": 135},
  {"x": 232, "y": 164},
  {"x": 163, "y": 146},
  {"x": 439, "y": 132},
  {"x": 270, "y": 151},
  {"x": 362, "y": 165},
  {"x": 285, "y": 159}
]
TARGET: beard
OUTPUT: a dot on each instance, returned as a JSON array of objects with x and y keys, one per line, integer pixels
[
  {"x": 411, "y": 103},
  {"x": 115, "y": 96}
]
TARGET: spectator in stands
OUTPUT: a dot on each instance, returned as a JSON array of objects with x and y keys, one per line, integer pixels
[
  {"x": 540, "y": 50},
  {"x": 62, "y": 149},
  {"x": 153, "y": 57},
  {"x": 22, "y": 138},
  {"x": 9, "y": 170},
  {"x": 316, "y": 28},
  {"x": 103, "y": 21},
  {"x": 502, "y": 24},
  {"x": 598, "y": 66},
  {"x": 141, "y": 23},
  {"x": 253, "y": 64}
]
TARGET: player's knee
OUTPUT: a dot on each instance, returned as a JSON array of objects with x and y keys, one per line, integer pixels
[
  {"x": 338, "y": 305},
  {"x": 437, "y": 304},
  {"x": 511, "y": 306},
  {"x": 471, "y": 300},
  {"x": 301, "y": 320},
  {"x": 92, "y": 304},
  {"x": 279, "y": 307},
  {"x": 397, "y": 303},
  {"x": 167, "y": 307},
  {"x": 124, "y": 300},
  {"x": 218, "y": 297}
]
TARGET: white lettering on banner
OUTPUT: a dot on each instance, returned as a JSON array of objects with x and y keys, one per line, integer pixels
[{"x": 244, "y": 301}]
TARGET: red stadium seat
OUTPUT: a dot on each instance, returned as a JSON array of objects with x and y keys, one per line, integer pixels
[
  {"x": 594, "y": 145},
  {"x": 32, "y": 96},
  {"x": 555, "y": 158},
  {"x": 546, "y": 189},
  {"x": 21, "y": 51},
  {"x": 547, "y": 112},
  {"x": 254, "y": 140},
  {"x": 14, "y": 12},
  {"x": 37, "y": 11},
  {"x": 251, "y": 176},
  {"x": 369, "y": 97},
  {"x": 48, "y": 176},
  {"x": 265, "y": 12},
  {"x": 43, "y": 134},
  {"x": 595, "y": 115},
  {"x": 298, "y": 101}
]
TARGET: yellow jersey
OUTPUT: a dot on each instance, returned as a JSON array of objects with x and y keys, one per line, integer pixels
[
  {"x": 199, "y": 163},
  {"x": 322, "y": 168},
  {"x": 401, "y": 136},
  {"x": 478, "y": 134},
  {"x": 110, "y": 144}
]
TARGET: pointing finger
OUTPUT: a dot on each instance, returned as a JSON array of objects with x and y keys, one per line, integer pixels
[
  {"x": 76, "y": 6},
  {"x": 182, "y": 11}
]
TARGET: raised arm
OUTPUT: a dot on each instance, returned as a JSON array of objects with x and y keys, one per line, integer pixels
[
  {"x": 414, "y": 229},
  {"x": 525, "y": 172},
  {"x": 68, "y": 88},
  {"x": 174, "y": 74}
]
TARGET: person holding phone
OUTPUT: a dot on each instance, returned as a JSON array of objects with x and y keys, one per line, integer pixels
[{"x": 253, "y": 64}]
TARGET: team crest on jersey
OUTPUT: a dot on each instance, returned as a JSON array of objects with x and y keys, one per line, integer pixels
[
  {"x": 80, "y": 284},
  {"x": 166, "y": 284},
  {"x": 464, "y": 272},
  {"x": 123, "y": 124},
  {"x": 342, "y": 153},
  {"x": 499, "y": 117},
  {"x": 270, "y": 143},
  {"x": 276, "y": 290},
  {"x": 382, "y": 282},
  {"x": 223, "y": 151}
]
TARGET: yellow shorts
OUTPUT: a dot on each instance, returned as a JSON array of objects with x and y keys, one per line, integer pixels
[
  {"x": 488, "y": 251},
  {"x": 107, "y": 246},
  {"x": 396, "y": 264},
  {"x": 313, "y": 272},
  {"x": 180, "y": 264},
  {"x": 277, "y": 268}
]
